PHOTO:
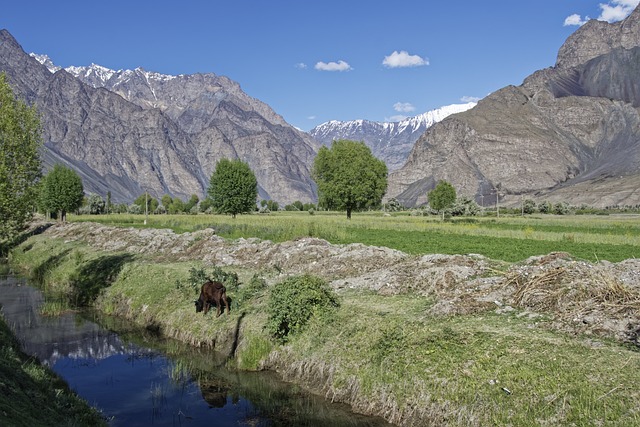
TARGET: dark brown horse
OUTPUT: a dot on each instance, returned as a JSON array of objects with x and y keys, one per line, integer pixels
[{"x": 212, "y": 293}]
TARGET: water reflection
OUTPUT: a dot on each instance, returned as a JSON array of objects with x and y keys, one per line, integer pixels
[{"x": 139, "y": 379}]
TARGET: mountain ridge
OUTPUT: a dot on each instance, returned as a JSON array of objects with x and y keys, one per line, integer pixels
[
  {"x": 391, "y": 142},
  {"x": 132, "y": 140},
  {"x": 569, "y": 133}
]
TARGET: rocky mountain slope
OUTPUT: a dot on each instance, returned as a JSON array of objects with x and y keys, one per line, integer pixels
[
  {"x": 570, "y": 132},
  {"x": 391, "y": 142},
  {"x": 131, "y": 131}
]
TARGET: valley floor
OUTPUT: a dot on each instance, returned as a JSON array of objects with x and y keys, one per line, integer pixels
[{"x": 418, "y": 339}]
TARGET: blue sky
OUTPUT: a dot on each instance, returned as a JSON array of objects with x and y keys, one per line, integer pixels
[{"x": 314, "y": 61}]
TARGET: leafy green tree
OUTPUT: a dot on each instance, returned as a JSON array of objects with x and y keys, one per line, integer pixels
[
  {"x": 193, "y": 202},
  {"x": 166, "y": 201},
  {"x": 152, "y": 204},
  {"x": 95, "y": 204},
  {"x": 442, "y": 197},
  {"x": 545, "y": 207},
  {"x": 233, "y": 187},
  {"x": 272, "y": 205},
  {"x": 176, "y": 206},
  {"x": 206, "y": 204},
  {"x": 465, "y": 206},
  {"x": 349, "y": 177},
  {"x": 62, "y": 191},
  {"x": 108, "y": 202},
  {"x": 528, "y": 206},
  {"x": 19, "y": 161}
]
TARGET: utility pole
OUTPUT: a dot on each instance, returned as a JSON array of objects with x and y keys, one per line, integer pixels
[{"x": 146, "y": 207}]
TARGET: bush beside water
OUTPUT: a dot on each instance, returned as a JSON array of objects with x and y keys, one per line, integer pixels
[{"x": 382, "y": 354}]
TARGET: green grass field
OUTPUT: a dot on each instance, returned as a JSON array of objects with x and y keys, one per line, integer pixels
[
  {"x": 593, "y": 238},
  {"x": 387, "y": 354}
]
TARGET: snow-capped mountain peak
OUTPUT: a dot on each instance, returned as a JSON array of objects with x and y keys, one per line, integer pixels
[
  {"x": 389, "y": 141},
  {"x": 46, "y": 61}
]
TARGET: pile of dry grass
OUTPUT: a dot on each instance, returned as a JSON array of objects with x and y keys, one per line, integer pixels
[{"x": 579, "y": 296}]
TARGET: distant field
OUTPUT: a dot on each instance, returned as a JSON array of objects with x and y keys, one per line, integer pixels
[{"x": 593, "y": 238}]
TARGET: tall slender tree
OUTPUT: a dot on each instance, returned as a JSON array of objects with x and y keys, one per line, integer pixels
[{"x": 20, "y": 165}]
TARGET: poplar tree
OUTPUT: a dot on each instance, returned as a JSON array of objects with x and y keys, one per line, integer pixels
[
  {"x": 233, "y": 187},
  {"x": 20, "y": 166}
]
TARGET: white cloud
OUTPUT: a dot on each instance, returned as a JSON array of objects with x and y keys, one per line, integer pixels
[
  {"x": 403, "y": 107},
  {"x": 469, "y": 99},
  {"x": 311, "y": 117},
  {"x": 397, "y": 118},
  {"x": 575, "y": 19},
  {"x": 300, "y": 65},
  {"x": 403, "y": 59},
  {"x": 612, "y": 11},
  {"x": 617, "y": 10},
  {"x": 333, "y": 66}
]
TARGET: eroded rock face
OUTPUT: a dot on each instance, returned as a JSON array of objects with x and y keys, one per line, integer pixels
[
  {"x": 569, "y": 126},
  {"x": 136, "y": 131}
]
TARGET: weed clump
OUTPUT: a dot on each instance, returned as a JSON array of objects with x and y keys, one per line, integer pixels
[{"x": 295, "y": 301}]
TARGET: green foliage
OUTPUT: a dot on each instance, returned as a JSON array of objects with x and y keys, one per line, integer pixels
[
  {"x": 108, "y": 202},
  {"x": 152, "y": 204},
  {"x": 393, "y": 205},
  {"x": 33, "y": 395},
  {"x": 349, "y": 177},
  {"x": 272, "y": 205},
  {"x": 247, "y": 292},
  {"x": 61, "y": 191},
  {"x": 233, "y": 187},
  {"x": 528, "y": 206},
  {"x": 19, "y": 161},
  {"x": 193, "y": 202},
  {"x": 545, "y": 207},
  {"x": 442, "y": 197},
  {"x": 176, "y": 206},
  {"x": 464, "y": 206},
  {"x": 95, "y": 205},
  {"x": 561, "y": 208},
  {"x": 206, "y": 205},
  {"x": 166, "y": 201},
  {"x": 295, "y": 301}
]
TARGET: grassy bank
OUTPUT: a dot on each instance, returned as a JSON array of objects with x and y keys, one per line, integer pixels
[
  {"x": 384, "y": 355},
  {"x": 511, "y": 239},
  {"x": 33, "y": 395}
]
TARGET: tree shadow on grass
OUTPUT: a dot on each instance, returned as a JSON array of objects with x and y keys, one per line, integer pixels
[
  {"x": 7, "y": 245},
  {"x": 96, "y": 275},
  {"x": 41, "y": 271}
]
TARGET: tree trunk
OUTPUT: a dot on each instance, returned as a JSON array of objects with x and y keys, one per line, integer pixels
[{"x": 348, "y": 213}]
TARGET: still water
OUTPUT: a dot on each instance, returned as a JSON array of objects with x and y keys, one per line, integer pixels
[{"x": 139, "y": 379}]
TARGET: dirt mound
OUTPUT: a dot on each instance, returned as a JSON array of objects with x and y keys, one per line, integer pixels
[{"x": 601, "y": 299}]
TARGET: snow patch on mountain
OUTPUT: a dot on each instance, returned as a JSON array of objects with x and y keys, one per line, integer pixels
[
  {"x": 389, "y": 141},
  {"x": 46, "y": 61},
  {"x": 98, "y": 76}
]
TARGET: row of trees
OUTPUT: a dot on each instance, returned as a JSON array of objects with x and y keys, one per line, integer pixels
[{"x": 348, "y": 176}]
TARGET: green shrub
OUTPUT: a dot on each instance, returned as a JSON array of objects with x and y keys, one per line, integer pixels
[
  {"x": 294, "y": 301},
  {"x": 247, "y": 292}
]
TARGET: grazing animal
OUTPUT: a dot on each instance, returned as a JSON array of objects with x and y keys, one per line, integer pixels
[{"x": 212, "y": 293}]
